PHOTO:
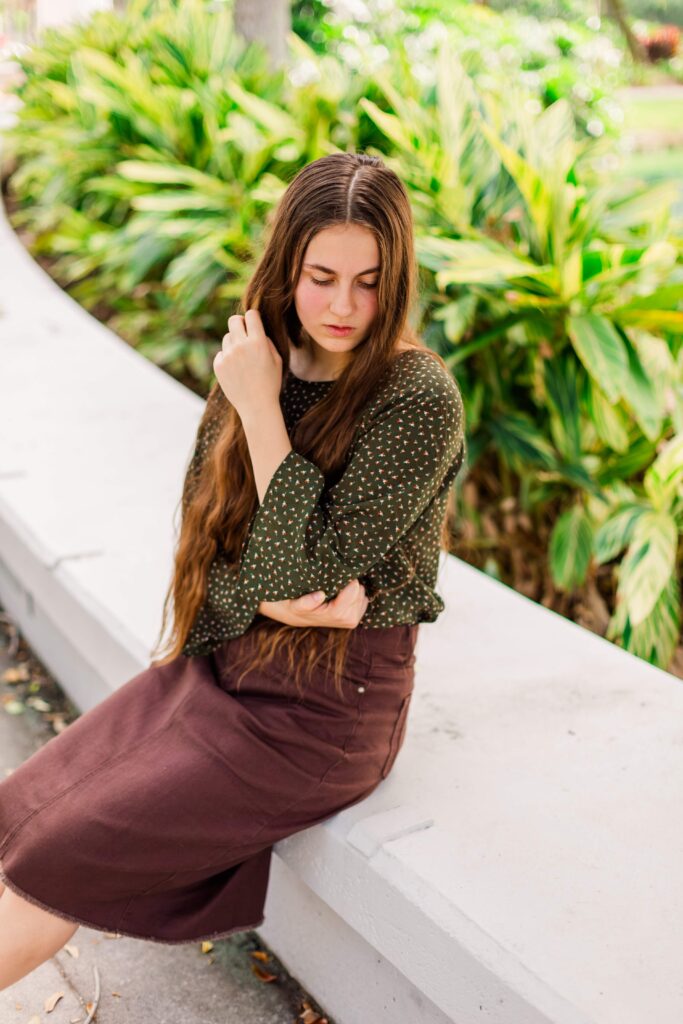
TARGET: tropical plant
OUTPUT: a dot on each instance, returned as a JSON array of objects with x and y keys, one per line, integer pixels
[
  {"x": 557, "y": 298},
  {"x": 579, "y": 59},
  {"x": 150, "y": 150}
]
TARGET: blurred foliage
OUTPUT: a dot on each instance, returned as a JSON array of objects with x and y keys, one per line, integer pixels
[
  {"x": 150, "y": 151},
  {"x": 581, "y": 60},
  {"x": 666, "y": 11}
]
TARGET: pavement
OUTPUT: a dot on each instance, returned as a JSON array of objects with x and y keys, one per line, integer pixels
[{"x": 125, "y": 980}]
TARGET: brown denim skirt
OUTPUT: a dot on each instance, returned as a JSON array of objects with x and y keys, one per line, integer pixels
[{"x": 154, "y": 814}]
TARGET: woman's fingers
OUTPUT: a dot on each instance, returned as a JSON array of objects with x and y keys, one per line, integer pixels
[
  {"x": 344, "y": 611},
  {"x": 347, "y": 608},
  {"x": 311, "y": 600}
]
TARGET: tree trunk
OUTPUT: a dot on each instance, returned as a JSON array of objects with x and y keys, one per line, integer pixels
[
  {"x": 265, "y": 21},
  {"x": 616, "y": 10}
]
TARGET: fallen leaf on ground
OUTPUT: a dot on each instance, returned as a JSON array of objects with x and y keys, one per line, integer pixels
[
  {"x": 310, "y": 1016},
  {"x": 15, "y": 675},
  {"x": 11, "y": 706},
  {"x": 52, "y": 1001},
  {"x": 38, "y": 703},
  {"x": 72, "y": 951},
  {"x": 207, "y": 947},
  {"x": 259, "y": 954},
  {"x": 263, "y": 975}
]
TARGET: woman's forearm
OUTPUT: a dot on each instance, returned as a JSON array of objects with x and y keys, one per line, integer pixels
[{"x": 268, "y": 443}]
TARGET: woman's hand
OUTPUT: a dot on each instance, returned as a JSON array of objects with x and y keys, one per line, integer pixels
[
  {"x": 344, "y": 612},
  {"x": 248, "y": 367}
]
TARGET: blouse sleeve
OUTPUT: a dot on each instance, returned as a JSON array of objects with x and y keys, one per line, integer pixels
[
  {"x": 207, "y": 431},
  {"x": 300, "y": 541}
]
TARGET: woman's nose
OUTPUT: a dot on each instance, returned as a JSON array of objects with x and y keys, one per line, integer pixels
[{"x": 341, "y": 303}]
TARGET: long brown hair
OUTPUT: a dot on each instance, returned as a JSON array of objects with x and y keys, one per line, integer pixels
[{"x": 217, "y": 506}]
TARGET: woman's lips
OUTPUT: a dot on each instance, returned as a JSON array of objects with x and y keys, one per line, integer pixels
[{"x": 338, "y": 330}]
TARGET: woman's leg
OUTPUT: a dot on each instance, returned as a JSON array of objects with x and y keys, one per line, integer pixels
[{"x": 29, "y": 936}]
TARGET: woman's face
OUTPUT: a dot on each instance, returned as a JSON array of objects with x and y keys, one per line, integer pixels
[{"x": 338, "y": 286}]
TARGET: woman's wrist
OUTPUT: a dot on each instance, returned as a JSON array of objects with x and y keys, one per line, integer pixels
[{"x": 268, "y": 443}]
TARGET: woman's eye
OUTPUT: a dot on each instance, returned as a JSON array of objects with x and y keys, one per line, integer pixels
[{"x": 363, "y": 284}]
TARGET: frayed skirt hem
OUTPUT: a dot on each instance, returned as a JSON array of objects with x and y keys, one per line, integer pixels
[{"x": 4, "y": 878}]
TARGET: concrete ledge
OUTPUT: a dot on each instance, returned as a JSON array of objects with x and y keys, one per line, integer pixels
[{"x": 523, "y": 861}]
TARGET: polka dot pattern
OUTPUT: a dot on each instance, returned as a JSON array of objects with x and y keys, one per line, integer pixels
[{"x": 379, "y": 523}]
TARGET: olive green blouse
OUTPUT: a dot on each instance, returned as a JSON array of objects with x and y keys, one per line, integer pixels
[{"x": 380, "y": 522}]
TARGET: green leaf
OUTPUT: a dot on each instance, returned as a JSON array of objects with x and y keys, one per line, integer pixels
[
  {"x": 639, "y": 393},
  {"x": 272, "y": 117},
  {"x": 530, "y": 183},
  {"x": 656, "y": 638},
  {"x": 457, "y": 316},
  {"x": 517, "y": 438},
  {"x": 663, "y": 480},
  {"x": 623, "y": 466},
  {"x": 156, "y": 173},
  {"x": 482, "y": 262},
  {"x": 666, "y": 296},
  {"x": 615, "y": 532},
  {"x": 648, "y": 564},
  {"x": 387, "y": 123},
  {"x": 199, "y": 360},
  {"x": 163, "y": 352},
  {"x": 601, "y": 349},
  {"x": 607, "y": 419},
  {"x": 651, "y": 319},
  {"x": 641, "y": 206},
  {"x": 561, "y": 382},
  {"x": 571, "y": 545}
]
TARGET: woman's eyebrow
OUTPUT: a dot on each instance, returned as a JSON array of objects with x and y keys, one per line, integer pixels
[{"x": 326, "y": 270}]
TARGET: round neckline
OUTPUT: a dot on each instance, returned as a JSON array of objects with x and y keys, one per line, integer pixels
[{"x": 301, "y": 380}]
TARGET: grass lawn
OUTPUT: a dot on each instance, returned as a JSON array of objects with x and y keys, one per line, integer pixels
[
  {"x": 650, "y": 115},
  {"x": 656, "y": 165},
  {"x": 656, "y": 159}
]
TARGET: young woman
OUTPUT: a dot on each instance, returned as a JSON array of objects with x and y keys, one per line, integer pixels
[{"x": 313, "y": 511}]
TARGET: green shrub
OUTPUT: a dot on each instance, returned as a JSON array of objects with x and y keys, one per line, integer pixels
[
  {"x": 579, "y": 60},
  {"x": 557, "y": 297}
]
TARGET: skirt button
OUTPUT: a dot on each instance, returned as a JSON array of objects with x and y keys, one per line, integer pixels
[{"x": 361, "y": 689}]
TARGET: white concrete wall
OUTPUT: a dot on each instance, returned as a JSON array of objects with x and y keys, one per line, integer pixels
[{"x": 522, "y": 864}]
